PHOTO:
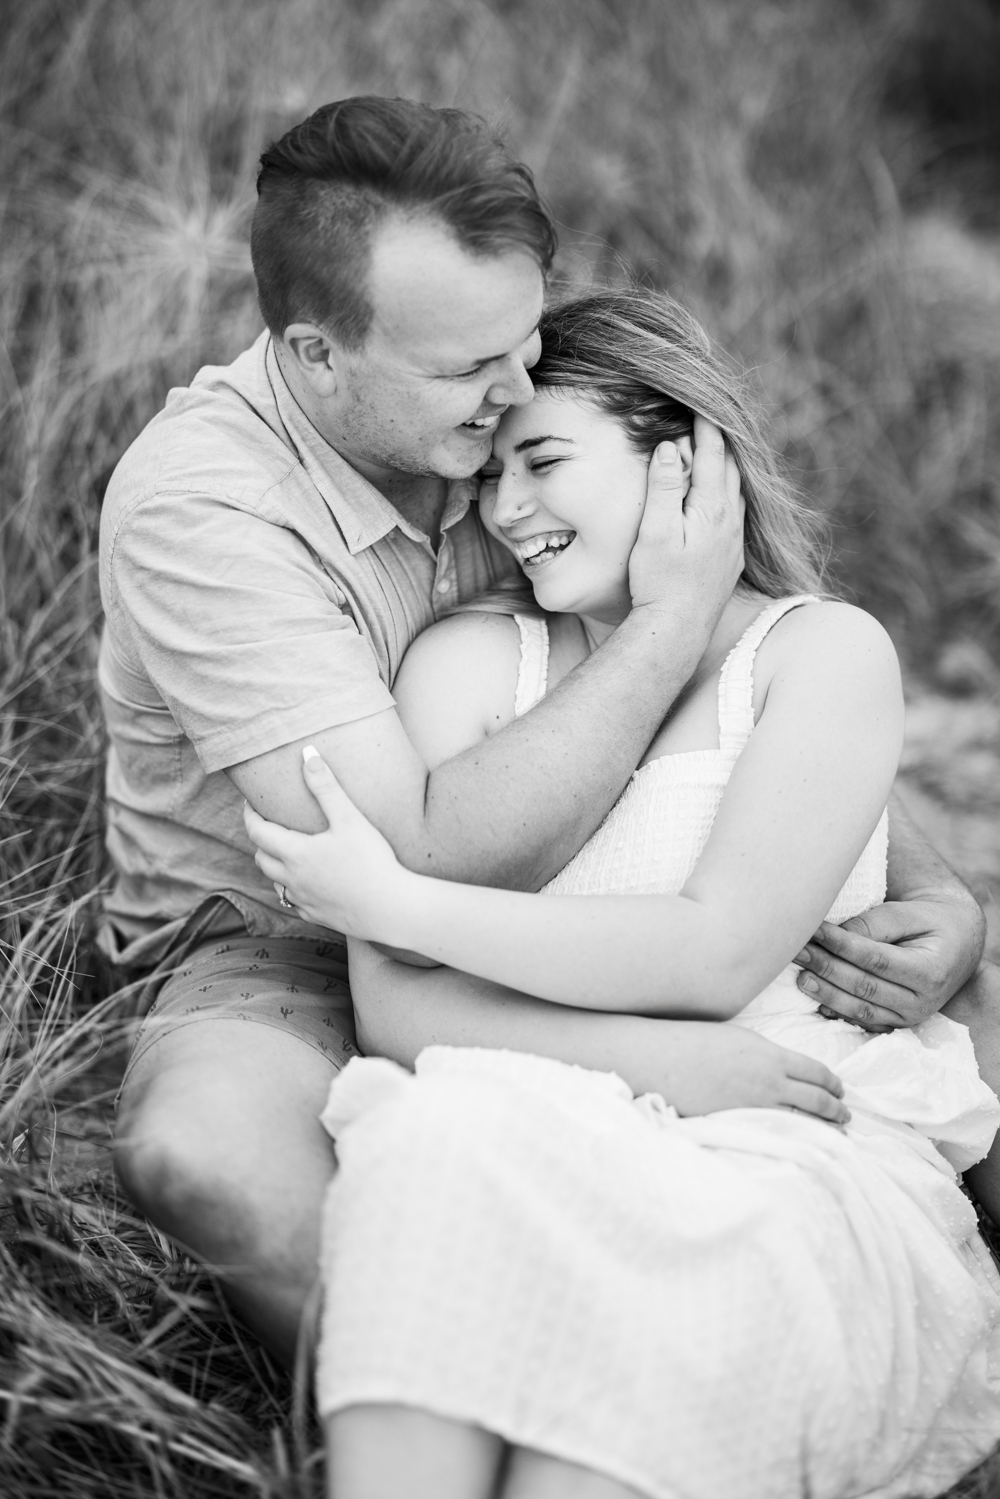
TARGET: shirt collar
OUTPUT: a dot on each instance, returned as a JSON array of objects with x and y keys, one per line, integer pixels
[{"x": 363, "y": 515}]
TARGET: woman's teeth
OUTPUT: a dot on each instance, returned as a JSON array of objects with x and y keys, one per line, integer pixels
[{"x": 539, "y": 549}]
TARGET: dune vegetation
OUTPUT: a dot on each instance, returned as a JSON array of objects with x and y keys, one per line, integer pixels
[{"x": 818, "y": 179}]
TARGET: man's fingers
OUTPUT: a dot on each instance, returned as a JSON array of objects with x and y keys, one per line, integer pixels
[
  {"x": 870, "y": 942},
  {"x": 809, "y": 1099},
  {"x": 835, "y": 1004},
  {"x": 709, "y": 446},
  {"x": 822, "y": 973}
]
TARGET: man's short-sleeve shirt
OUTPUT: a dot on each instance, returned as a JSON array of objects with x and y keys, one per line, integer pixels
[{"x": 256, "y": 590}]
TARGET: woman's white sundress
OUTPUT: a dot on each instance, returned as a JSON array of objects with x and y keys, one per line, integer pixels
[{"x": 746, "y": 1305}]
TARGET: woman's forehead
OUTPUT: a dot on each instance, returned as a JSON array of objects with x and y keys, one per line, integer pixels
[{"x": 556, "y": 413}]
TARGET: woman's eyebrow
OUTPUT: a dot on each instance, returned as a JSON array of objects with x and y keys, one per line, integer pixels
[{"x": 536, "y": 442}]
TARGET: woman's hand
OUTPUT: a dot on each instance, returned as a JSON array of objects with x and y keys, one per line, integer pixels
[
  {"x": 347, "y": 878},
  {"x": 711, "y": 1067}
]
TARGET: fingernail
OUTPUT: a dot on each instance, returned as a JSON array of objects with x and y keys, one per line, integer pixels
[
  {"x": 666, "y": 453},
  {"x": 310, "y": 753},
  {"x": 808, "y": 983},
  {"x": 828, "y": 1014},
  {"x": 802, "y": 958}
]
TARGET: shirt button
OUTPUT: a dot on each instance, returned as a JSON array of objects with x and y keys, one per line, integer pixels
[{"x": 444, "y": 586}]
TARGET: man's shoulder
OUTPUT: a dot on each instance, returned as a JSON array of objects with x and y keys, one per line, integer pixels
[{"x": 220, "y": 436}]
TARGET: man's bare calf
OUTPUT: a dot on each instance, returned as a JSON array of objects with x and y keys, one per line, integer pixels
[{"x": 219, "y": 1144}]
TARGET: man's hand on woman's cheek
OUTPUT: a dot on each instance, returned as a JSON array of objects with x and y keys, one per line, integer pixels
[{"x": 895, "y": 965}]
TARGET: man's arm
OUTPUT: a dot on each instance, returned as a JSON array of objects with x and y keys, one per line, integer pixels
[
  {"x": 698, "y": 1066},
  {"x": 901, "y": 961},
  {"x": 512, "y": 810}
]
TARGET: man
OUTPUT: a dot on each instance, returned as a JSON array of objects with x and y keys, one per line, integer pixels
[{"x": 270, "y": 546}]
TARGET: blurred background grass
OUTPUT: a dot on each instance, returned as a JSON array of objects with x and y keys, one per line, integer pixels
[{"x": 818, "y": 179}]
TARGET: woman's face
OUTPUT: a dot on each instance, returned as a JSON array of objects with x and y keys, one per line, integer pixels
[{"x": 564, "y": 491}]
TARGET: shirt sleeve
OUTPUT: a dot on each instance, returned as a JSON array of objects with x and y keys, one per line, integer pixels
[{"x": 238, "y": 626}]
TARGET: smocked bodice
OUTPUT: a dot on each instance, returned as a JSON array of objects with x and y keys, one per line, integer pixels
[{"x": 653, "y": 837}]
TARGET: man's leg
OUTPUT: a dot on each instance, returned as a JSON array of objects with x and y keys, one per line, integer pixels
[
  {"x": 977, "y": 1005},
  {"x": 219, "y": 1144}
]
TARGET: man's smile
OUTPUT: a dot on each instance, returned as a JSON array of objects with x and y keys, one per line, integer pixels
[{"x": 481, "y": 426}]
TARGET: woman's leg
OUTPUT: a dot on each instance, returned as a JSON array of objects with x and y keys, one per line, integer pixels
[
  {"x": 533, "y": 1475},
  {"x": 392, "y": 1451}
]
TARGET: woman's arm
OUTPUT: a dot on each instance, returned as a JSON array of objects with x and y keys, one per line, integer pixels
[
  {"x": 698, "y": 1066},
  {"x": 800, "y": 806}
]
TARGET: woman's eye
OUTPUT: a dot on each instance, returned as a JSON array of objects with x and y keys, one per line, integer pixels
[
  {"x": 490, "y": 476},
  {"x": 540, "y": 465}
]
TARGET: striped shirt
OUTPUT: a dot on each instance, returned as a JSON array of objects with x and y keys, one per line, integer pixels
[{"x": 256, "y": 590}]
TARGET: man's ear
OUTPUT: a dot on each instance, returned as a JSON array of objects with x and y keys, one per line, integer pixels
[{"x": 315, "y": 356}]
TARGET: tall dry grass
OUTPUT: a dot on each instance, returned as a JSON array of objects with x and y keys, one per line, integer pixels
[{"x": 765, "y": 161}]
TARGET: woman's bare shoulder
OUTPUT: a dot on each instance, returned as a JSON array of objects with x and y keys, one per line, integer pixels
[
  {"x": 829, "y": 638},
  {"x": 831, "y": 624},
  {"x": 457, "y": 682},
  {"x": 470, "y": 640}
]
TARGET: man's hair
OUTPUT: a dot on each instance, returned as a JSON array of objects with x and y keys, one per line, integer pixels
[{"x": 326, "y": 186}]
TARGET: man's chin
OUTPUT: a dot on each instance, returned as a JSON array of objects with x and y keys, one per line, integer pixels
[{"x": 454, "y": 462}]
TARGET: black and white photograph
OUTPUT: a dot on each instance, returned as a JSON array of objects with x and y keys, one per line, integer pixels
[{"x": 500, "y": 749}]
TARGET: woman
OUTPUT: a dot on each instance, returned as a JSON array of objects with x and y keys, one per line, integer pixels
[{"x": 749, "y": 1303}]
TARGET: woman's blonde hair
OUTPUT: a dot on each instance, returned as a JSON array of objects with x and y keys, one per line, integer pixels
[{"x": 642, "y": 358}]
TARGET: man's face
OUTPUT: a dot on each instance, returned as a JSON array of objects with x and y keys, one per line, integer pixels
[{"x": 448, "y": 352}]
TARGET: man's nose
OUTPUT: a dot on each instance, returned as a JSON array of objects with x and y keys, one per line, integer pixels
[{"x": 513, "y": 386}]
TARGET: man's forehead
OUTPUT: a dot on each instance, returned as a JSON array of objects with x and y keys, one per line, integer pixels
[{"x": 434, "y": 299}]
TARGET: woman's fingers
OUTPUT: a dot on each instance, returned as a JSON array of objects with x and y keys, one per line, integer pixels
[
  {"x": 810, "y": 1099},
  {"x": 270, "y": 836},
  {"x": 807, "y": 1070},
  {"x": 333, "y": 799},
  {"x": 271, "y": 868}
]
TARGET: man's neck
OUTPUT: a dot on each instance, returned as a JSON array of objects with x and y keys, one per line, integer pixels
[{"x": 419, "y": 498}]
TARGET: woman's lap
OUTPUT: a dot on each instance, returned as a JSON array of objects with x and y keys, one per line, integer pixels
[{"x": 629, "y": 1294}]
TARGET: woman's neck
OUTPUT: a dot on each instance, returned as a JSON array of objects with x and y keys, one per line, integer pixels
[{"x": 742, "y": 606}]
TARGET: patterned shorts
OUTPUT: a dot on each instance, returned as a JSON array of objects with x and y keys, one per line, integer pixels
[{"x": 296, "y": 984}]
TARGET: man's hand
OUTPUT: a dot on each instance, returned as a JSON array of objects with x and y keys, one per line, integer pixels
[
  {"x": 688, "y": 555},
  {"x": 898, "y": 963}
]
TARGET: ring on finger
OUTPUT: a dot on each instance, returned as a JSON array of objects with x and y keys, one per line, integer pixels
[{"x": 283, "y": 898}]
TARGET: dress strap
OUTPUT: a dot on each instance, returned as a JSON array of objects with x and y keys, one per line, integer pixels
[
  {"x": 736, "y": 680},
  {"x": 533, "y": 667}
]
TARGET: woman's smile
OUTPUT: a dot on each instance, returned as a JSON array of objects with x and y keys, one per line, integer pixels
[
  {"x": 536, "y": 552},
  {"x": 564, "y": 491}
]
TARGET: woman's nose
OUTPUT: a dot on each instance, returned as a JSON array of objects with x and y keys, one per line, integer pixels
[{"x": 510, "y": 501}]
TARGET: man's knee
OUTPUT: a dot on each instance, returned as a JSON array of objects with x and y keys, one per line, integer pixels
[{"x": 170, "y": 1155}]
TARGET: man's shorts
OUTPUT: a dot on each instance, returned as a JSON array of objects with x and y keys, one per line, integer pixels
[{"x": 298, "y": 985}]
